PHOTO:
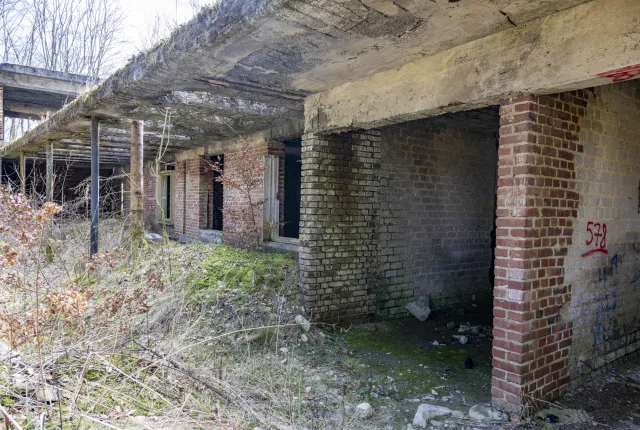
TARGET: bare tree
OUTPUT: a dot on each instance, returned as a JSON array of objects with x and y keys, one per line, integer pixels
[{"x": 74, "y": 36}]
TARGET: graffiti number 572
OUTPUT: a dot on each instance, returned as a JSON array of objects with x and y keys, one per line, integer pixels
[{"x": 597, "y": 238}]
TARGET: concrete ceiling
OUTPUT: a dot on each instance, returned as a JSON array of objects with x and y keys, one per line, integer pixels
[
  {"x": 33, "y": 93},
  {"x": 247, "y": 65}
]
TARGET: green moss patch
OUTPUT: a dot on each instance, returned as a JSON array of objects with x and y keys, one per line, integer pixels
[{"x": 227, "y": 268}]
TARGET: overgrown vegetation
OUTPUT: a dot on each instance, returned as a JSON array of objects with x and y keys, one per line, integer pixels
[{"x": 229, "y": 268}]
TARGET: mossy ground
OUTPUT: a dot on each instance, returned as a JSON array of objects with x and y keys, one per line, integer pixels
[
  {"x": 395, "y": 351},
  {"x": 227, "y": 268}
]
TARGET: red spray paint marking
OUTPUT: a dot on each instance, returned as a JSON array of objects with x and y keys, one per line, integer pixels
[
  {"x": 597, "y": 238},
  {"x": 622, "y": 74}
]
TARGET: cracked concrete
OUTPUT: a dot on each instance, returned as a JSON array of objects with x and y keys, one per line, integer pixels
[{"x": 258, "y": 60}]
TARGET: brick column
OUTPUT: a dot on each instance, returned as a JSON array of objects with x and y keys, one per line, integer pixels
[
  {"x": 338, "y": 234},
  {"x": 150, "y": 180},
  {"x": 537, "y": 203},
  {"x": 193, "y": 198},
  {"x": 179, "y": 190}
]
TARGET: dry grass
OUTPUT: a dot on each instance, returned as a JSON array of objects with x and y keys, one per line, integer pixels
[{"x": 136, "y": 353}]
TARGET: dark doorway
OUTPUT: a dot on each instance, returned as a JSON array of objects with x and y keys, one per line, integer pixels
[
  {"x": 292, "y": 182},
  {"x": 217, "y": 193}
]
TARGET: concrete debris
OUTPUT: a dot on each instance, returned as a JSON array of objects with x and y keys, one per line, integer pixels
[
  {"x": 463, "y": 328},
  {"x": 364, "y": 411},
  {"x": 303, "y": 323},
  {"x": 420, "y": 308},
  {"x": 461, "y": 338},
  {"x": 457, "y": 414},
  {"x": 482, "y": 413},
  {"x": 304, "y": 338},
  {"x": 564, "y": 416},
  {"x": 46, "y": 395},
  {"x": 427, "y": 412},
  {"x": 153, "y": 237}
]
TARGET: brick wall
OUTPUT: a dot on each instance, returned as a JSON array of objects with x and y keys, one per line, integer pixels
[
  {"x": 243, "y": 167},
  {"x": 243, "y": 171},
  {"x": 437, "y": 206},
  {"x": 338, "y": 234},
  {"x": 179, "y": 191},
  {"x": 537, "y": 203},
  {"x": 206, "y": 193},
  {"x": 149, "y": 182},
  {"x": 604, "y": 269},
  {"x": 568, "y": 240}
]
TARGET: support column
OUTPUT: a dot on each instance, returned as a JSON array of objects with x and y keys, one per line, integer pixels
[
  {"x": 338, "y": 233},
  {"x": 537, "y": 204},
  {"x": 49, "y": 172},
  {"x": 1, "y": 116},
  {"x": 23, "y": 173},
  {"x": 136, "y": 183},
  {"x": 95, "y": 185}
]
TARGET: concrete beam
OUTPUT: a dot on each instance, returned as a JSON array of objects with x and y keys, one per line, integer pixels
[
  {"x": 49, "y": 81},
  {"x": 592, "y": 44}
]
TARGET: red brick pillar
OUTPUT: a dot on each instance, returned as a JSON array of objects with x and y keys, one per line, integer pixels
[
  {"x": 179, "y": 190},
  {"x": 193, "y": 198},
  {"x": 150, "y": 180},
  {"x": 537, "y": 203}
]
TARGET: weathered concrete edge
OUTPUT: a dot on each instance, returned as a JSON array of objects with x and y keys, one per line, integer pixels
[
  {"x": 213, "y": 26},
  {"x": 560, "y": 52}
]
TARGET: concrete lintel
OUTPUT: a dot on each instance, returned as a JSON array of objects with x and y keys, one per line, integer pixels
[
  {"x": 576, "y": 48},
  {"x": 220, "y": 147}
]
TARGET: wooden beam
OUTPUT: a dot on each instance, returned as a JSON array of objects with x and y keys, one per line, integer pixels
[{"x": 95, "y": 185}]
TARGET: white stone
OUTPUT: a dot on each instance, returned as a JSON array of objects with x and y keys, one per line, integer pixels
[
  {"x": 463, "y": 328},
  {"x": 47, "y": 395},
  {"x": 426, "y": 412},
  {"x": 420, "y": 308},
  {"x": 461, "y": 338},
  {"x": 364, "y": 411},
  {"x": 303, "y": 323},
  {"x": 482, "y": 413},
  {"x": 154, "y": 237},
  {"x": 457, "y": 414}
]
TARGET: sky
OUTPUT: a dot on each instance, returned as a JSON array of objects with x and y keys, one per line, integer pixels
[{"x": 140, "y": 16}]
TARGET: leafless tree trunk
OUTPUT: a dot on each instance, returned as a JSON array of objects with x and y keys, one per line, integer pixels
[{"x": 74, "y": 36}]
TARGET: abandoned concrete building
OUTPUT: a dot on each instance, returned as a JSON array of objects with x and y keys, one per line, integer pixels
[{"x": 402, "y": 148}]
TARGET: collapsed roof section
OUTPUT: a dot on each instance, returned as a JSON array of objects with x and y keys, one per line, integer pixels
[{"x": 243, "y": 66}]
